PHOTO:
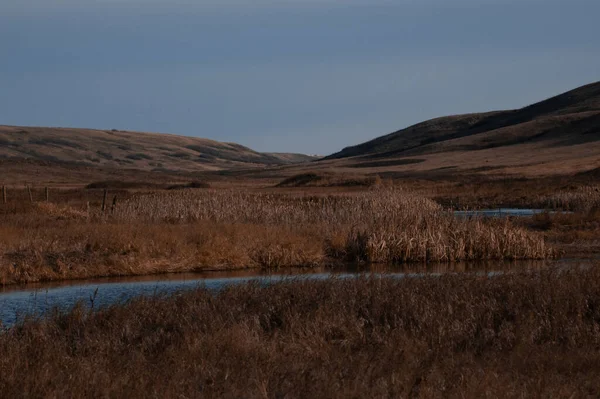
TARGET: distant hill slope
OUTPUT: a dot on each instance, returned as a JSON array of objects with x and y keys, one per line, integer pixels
[
  {"x": 145, "y": 151},
  {"x": 292, "y": 158},
  {"x": 571, "y": 118}
]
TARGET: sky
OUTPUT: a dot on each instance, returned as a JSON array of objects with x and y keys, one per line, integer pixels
[{"x": 310, "y": 76}]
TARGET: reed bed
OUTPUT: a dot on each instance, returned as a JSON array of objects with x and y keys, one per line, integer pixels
[
  {"x": 514, "y": 335},
  {"x": 386, "y": 225},
  {"x": 583, "y": 199},
  {"x": 230, "y": 206},
  {"x": 213, "y": 230},
  {"x": 78, "y": 250}
]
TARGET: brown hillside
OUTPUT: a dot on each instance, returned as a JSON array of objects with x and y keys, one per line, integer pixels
[
  {"x": 132, "y": 150},
  {"x": 568, "y": 119}
]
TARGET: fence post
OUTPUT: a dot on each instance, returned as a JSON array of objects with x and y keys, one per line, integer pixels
[
  {"x": 114, "y": 204},
  {"x": 30, "y": 196},
  {"x": 47, "y": 194},
  {"x": 104, "y": 200}
]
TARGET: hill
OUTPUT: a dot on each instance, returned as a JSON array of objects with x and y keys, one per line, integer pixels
[
  {"x": 292, "y": 158},
  {"x": 133, "y": 150},
  {"x": 569, "y": 118},
  {"x": 565, "y": 128}
]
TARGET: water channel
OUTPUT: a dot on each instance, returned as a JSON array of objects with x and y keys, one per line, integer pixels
[
  {"x": 18, "y": 301},
  {"x": 501, "y": 212}
]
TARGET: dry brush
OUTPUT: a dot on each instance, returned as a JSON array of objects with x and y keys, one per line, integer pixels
[
  {"x": 514, "y": 335},
  {"x": 228, "y": 229}
]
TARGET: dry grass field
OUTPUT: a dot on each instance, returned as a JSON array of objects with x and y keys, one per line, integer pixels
[
  {"x": 307, "y": 220},
  {"x": 514, "y": 335},
  {"x": 161, "y": 231}
]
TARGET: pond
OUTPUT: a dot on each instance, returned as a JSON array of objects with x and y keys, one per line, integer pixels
[
  {"x": 37, "y": 299},
  {"x": 500, "y": 212}
]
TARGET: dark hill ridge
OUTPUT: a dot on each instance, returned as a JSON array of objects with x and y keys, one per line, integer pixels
[
  {"x": 135, "y": 150},
  {"x": 567, "y": 119}
]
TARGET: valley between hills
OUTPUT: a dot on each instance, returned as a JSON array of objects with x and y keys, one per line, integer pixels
[
  {"x": 243, "y": 239},
  {"x": 559, "y": 136}
]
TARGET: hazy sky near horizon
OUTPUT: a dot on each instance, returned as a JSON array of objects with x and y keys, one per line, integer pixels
[{"x": 309, "y": 76}]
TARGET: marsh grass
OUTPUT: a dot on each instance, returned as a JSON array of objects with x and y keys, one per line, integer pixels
[
  {"x": 385, "y": 225},
  {"x": 575, "y": 234},
  {"x": 321, "y": 179},
  {"x": 583, "y": 199},
  {"x": 191, "y": 230},
  {"x": 514, "y": 335}
]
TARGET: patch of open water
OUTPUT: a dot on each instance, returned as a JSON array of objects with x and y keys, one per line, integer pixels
[
  {"x": 500, "y": 212},
  {"x": 18, "y": 301}
]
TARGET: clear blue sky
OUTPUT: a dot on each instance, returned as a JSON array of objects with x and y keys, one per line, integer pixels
[{"x": 307, "y": 76}]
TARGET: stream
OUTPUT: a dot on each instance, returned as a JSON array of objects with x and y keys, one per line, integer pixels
[
  {"x": 36, "y": 300},
  {"x": 500, "y": 212}
]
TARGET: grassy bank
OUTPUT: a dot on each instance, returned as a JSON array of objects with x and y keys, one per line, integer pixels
[
  {"x": 225, "y": 229},
  {"x": 569, "y": 193},
  {"x": 575, "y": 235},
  {"x": 515, "y": 335}
]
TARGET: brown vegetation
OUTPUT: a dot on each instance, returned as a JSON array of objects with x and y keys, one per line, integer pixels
[
  {"x": 572, "y": 118},
  {"x": 556, "y": 137},
  {"x": 192, "y": 230},
  {"x": 583, "y": 199},
  {"x": 123, "y": 185},
  {"x": 576, "y": 235},
  {"x": 568, "y": 193},
  {"x": 136, "y": 150},
  {"x": 514, "y": 335},
  {"x": 312, "y": 179},
  {"x": 471, "y": 335}
]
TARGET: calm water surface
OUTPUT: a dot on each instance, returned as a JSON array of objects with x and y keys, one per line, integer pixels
[
  {"x": 37, "y": 299},
  {"x": 500, "y": 212}
]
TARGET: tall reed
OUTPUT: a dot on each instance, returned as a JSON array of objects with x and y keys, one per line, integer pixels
[
  {"x": 515, "y": 335},
  {"x": 199, "y": 230},
  {"x": 583, "y": 199},
  {"x": 387, "y": 225}
]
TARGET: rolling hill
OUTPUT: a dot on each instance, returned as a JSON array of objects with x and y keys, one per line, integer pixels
[
  {"x": 570, "y": 118},
  {"x": 558, "y": 136},
  {"x": 133, "y": 150},
  {"x": 562, "y": 132}
]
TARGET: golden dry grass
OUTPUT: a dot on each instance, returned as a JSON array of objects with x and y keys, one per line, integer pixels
[
  {"x": 515, "y": 335},
  {"x": 583, "y": 199},
  {"x": 230, "y": 229},
  {"x": 384, "y": 225}
]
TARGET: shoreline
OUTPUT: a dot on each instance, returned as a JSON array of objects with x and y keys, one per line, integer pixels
[{"x": 530, "y": 334}]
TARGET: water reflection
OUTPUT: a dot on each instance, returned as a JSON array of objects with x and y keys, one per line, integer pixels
[
  {"x": 37, "y": 299},
  {"x": 499, "y": 212}
]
